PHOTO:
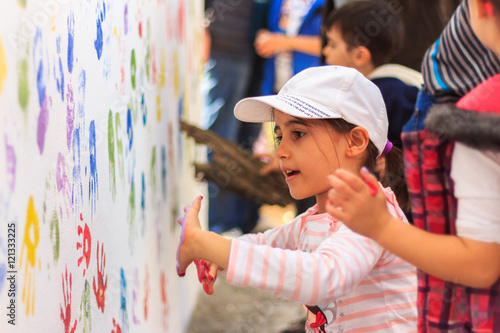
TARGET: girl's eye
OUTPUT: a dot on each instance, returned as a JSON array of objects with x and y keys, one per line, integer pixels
[
  {"x": 277, "y": 140},
  {"x": 298, "y": 134}
]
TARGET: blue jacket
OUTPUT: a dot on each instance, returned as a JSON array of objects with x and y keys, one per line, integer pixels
[{"x": 311, "y": 26}]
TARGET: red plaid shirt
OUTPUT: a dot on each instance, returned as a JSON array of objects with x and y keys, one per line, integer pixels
[{"x": 443, "y": 306}]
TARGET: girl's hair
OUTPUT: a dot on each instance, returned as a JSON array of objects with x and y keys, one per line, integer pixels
[
  {"x": 356, "y": 21},
  {"x": 394, "y": 173}
]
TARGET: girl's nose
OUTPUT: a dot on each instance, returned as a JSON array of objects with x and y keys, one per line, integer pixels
[{"x": 282, "y": 151}]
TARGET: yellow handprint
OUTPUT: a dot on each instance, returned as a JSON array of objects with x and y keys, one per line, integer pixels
[{"x": 30, "y": 243}]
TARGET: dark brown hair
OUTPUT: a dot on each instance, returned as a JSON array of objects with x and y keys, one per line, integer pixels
[
  {"x": 370, "y": 23},
  {"x": 394, "y": 174}
]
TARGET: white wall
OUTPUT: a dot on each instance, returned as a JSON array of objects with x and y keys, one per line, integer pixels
[{"x": 92, "y": 164}]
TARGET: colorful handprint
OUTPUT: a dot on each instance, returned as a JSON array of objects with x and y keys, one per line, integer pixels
[
  {"x": 29, "y": 246},
  {"x": 66, "y": 312},
  {"x": 100, "y": 291},
  {"x": 86, "y": 244},
  {"x": 164, "y": 299},
  {"x": 146, "y": 293}
]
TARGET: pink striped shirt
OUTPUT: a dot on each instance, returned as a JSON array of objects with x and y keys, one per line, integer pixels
[{"x": 349, "y": 282}]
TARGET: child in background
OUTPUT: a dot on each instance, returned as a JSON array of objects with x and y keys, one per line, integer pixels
[
  {"x": 325, "y": 118},
  {"x": 365, "y": 35},
  {"x": 458, "y": 250}
]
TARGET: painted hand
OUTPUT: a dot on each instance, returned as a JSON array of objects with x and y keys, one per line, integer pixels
[
  {"x": 190, "y": 226},
  {"x": 207, "y": 274},
  {"x": 357, "y": 201}
]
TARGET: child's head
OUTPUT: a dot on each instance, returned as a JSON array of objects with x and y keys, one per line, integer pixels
[
  {"x": 485, "y": 21},
  {"x": 326, "y": 117},
  {"x": 362, "y": 34}
]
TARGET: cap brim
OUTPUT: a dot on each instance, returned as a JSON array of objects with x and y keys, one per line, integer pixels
[{"x": 260, "y": 109}]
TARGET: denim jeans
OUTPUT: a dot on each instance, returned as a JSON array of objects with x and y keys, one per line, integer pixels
[{"x": 228, "y": 79}]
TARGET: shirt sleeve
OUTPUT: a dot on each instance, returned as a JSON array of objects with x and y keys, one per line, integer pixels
[
  {"x": 334, "y": 269},
  {"x": 476, "y": 177}
]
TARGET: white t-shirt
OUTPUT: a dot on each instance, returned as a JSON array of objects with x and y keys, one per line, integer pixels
[{"x": 476, "y": 175}]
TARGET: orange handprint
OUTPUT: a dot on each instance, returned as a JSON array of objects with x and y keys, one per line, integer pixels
[
  {"x": 32, "y": 229},
  {"x": 164, "y": 299},
  {"x": 102, "y": 283},
  {"x": 66, "y": 318}
]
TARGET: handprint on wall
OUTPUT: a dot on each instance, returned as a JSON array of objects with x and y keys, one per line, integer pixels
[
  {"x": 164, "y": 300},
  {"x": 117, "y": 326},
  {"x": 135, "y": 293},
  {"x": 146, "y": 293},
  {"x": 102, "y": 283},
  {"x": 66, "y": 312},
  {"x": 85, "y": 309},
  {"x": 123, "y": 300},
  {"x": 85, "y": 245},
  {"x": 29, "y": 247}
]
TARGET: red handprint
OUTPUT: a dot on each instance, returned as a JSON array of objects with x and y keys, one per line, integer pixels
[
  {"x": 101, "y": 282},
  {"x": 118, "y": 328},
  {"x": 87, "y": 245},
  {"x": 66, "y": 318}
]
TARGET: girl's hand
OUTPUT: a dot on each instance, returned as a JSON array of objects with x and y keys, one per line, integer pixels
[
  {"x": 207, "y": 275},
  {"x": 358, "y": 202},
  {"x": 190, "y": 228}
]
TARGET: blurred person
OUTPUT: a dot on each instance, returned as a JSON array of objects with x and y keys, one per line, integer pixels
[{"x": 233, "y": 72}]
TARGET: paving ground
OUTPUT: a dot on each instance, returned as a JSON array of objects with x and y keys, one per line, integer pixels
[{"x": 247, "y": 310}]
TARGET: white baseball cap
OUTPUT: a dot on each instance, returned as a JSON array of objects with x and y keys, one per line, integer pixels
[{"x": 321, "y": 93}]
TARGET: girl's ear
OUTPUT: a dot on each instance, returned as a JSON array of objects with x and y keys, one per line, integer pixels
[{"x": 357, "y": 141}]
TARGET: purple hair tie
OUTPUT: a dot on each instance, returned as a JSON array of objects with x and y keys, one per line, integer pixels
[{"x": 387, "y": 148}]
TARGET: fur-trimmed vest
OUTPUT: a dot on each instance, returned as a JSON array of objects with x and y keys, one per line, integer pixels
[{"x": 475, "y": 121}]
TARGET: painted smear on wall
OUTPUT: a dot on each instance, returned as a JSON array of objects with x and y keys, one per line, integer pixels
[
  {"x": 78, "y": 81},
  {"x": 3, "y": 66}
]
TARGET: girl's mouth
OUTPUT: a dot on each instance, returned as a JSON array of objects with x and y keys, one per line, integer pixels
[{"x": 291, "y": 174}]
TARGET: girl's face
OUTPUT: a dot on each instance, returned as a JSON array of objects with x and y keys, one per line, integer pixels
[
  {"x": 336, "y": 50},
  {"x": 307, "y": 152}
]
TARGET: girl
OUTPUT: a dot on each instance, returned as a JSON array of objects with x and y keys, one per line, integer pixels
[
  {"x": 456, "y": 192},
  {"x": 325, "y": 118}
]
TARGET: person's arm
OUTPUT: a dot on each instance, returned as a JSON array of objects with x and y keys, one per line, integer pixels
[
  {"x": 335, "y": 268},
  {"x": 267, "y": 44},
  {"x": 332, "y": 270},
  {"x": 452, "y": 258}
]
